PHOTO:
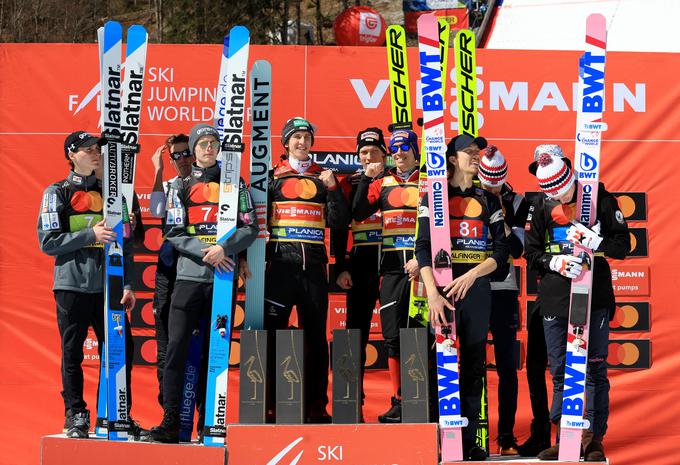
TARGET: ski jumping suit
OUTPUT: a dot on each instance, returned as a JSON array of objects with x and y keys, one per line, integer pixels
[
  {"x": 545, "y": 236},
  {"x": 475, "y": 217},
  {"x": 191, "y": 215},
  {"x": 69, "y": 210},
  {"x": 397, "y": 200},
  {"x": 300, "y": 209}
]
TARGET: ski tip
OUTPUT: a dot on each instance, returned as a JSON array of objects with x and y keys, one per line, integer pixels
[
  {"x": 113, "y": 34},
  {"x": 596, "y": 26},
  {"x": 136, "y": 38},
  {"x": 262, "y": 66},
  {"x": 427, "y": 19},
  {"x": 239, "y": 37}
]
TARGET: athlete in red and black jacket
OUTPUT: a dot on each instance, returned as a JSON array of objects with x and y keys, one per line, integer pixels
[
  {"x": 303, "y": 201},
  {"x": 395, "y": 195}
]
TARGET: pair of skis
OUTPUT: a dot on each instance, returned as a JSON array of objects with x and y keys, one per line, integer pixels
[
  {"x": 589, "y": 127},
  {"x": 120, "y": 116}
]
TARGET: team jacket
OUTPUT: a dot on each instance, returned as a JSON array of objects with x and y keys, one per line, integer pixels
[
  {"x": 69, "y": 210},
  {"x": 546, "y": 235},
  {"x": 300, "y": 209},
  {"x": 475, "y": 216},
  {"x": 397, "y": 201},
  {"x": 515, "y": 211},
  {"x": 191, "y": 219},
  {"x": 366, "y": 236}
]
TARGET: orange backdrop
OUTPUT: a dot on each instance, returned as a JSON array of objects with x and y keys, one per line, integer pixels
[{"x": 525, "y": 99}]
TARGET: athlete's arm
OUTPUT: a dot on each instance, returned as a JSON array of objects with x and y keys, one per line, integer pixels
[
  {"x": 176, "y": 223},
  {"x": 246, "y": 224},
  {"x": 615, "y": 235},
  {"x": 53, "y": 241},
  {"x": 366, "y": 199}
]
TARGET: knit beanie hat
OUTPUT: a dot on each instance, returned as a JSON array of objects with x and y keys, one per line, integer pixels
[
  {"x": 551, "y": 149},
  {"x": 294, "y": 125},
  {"x": 371, "y": 136},
  {"x": 555, "y": 178},
  {"x": 201, "y": 130},
  {"x": 493, "y": 169}
]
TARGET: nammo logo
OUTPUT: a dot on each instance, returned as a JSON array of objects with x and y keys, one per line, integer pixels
[{"x": 283, "y": 452}]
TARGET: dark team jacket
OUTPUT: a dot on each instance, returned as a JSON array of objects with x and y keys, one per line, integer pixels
[
  {"x": 300, "y": 208},
  {"x": 515, "y": 211},
  {"x": 69, "y": 210},
  {"x": 546, "y": 235},
  {"x": 364, "y": 257},
  {"x": 191, "y": 222},
  {"x": 397, "y": 201},
  {"x": 475, "y": 217}
]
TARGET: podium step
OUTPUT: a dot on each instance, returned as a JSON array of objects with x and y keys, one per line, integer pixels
[{"x": 60, "y": 450}]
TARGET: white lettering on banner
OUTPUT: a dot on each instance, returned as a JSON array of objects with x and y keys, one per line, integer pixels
[
  {"x": 370, "y": 100},
  {"x": 277, "y": 458},
  {"x": 329, "y": 453}
]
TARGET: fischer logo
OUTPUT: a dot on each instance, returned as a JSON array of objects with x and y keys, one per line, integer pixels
[
  {"x": 397, "y": 64},
  {"x": 467, "y": 106}
]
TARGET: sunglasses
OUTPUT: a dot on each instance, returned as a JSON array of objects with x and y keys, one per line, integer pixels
[
  {"x": 186, "y": 153},
  {"x": 204, "y": 144},
  {"x": 402, "y": 147}
]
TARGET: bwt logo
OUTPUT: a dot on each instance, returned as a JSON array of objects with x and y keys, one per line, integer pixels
[
  {"x": 574, "y": 384},
  {"x": 587, "y": 166}
]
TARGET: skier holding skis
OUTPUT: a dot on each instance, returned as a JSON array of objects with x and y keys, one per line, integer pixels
[
  {"x": 359, "y": 274},
  {"x": 395, "y": 195},
  {"x": 551, "y": 231},
  {"x": 504, "y": 321},
  {"x": 536, "y": 357},
  {"x": 181, "y": 158},
  {"x": 71, "y": 228},
  {"x": 303, "y": 200},
  {"x": 191, "y": 216},
  {"x": 475, "y": 217}
]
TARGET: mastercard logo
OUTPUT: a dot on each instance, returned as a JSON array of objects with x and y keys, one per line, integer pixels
[
  {"x": 298, "y": 189},
  {"x": 153, "y": 238},
  {"x": 149, "y": 350},
  {"x": 239, "y": 315},
  {"x": 147, "y": 314},
  {"x": 563, "y": 214},
  {"x": 633, "y": 242},
  {"x": 87, "y": 201},
  {"x": 371, "y": 355},
  {"x": 627, "y": 205},
  {"x": 149, "y": 276},
  {"x": 464, "y": 206},
  {"x": 202, "y": 193},
  {"x": 235, "y": 353},
  {"x": 625, "y": 354},
  {"x": 625, "y": 316},
  {"x": 403, "y": 197}
]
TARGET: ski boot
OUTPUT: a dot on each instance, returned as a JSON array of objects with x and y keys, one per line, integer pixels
[
  {"x": 507, "y": 444},
  {"x": 538, "y": 441},
  {"x": 393, "y": 415},
  {"x": 168, "y": 430},
  {"x": 593, "y": 451},
  {"x": 79, "y": 425}
]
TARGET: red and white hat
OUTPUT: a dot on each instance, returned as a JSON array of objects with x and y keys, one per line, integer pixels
[
  {"x": 554, "y": 176},
  {"x": 493, "y": 169}
]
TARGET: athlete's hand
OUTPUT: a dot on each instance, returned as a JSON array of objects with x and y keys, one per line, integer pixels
[
  {"x": 344, "y": 280},
  {"x": 244, "y": 269},
  {"x": 157, "y": 158},
  {"x": 128, "y": 299},
  {"x": 412, "y": 268},
  {"x": 459, "y": 287},
  {"x": 328, "y": 179},
  {"x": 567, "y": 265},
  {"x": 214, "y": 255},
  {"x": 436, "y": 304},
  {"x": 133, "y": 221},
  {"x": 103, "y": 233},
  {"x": 374, "y": 169},
  {"x": 581, "y": 234}
]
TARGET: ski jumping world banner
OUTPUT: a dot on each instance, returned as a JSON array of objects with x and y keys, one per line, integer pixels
[{"x": 525, "y": 98}]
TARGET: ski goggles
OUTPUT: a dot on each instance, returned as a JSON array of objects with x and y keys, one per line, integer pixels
[
  {"x": 186, "y": 153},
  {"x": 403, "y": 147},
  {"x": 205, "y": 143}
]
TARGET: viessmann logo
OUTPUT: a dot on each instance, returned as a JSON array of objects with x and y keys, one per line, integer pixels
[{"x": 514, "y": 96}]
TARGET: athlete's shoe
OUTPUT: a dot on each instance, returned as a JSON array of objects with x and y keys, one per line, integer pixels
[
  {"x": 168, "y": 430},
  {"x": 79, "y": 425},
  {"x": 393, "y": 415},
  {"x": 508, "y": 444}
]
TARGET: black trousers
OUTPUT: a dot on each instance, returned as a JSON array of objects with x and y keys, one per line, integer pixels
[
  {"x": 472, "y": 327},
  {"x": 165, "y": 283},
  {"x": 288, "y": 285},
  {"x": 361, "y": 299},
  {"x": 190, "y": 302},
  {"x": 394, "y": 299},
  {"x": 76, "y": 312},
  {"x": 537, "y": 362},
  {"x": 503, "y": 325}
]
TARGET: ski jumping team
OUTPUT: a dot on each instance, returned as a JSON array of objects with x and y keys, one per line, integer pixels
[{"x": 490, "y": 225}]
